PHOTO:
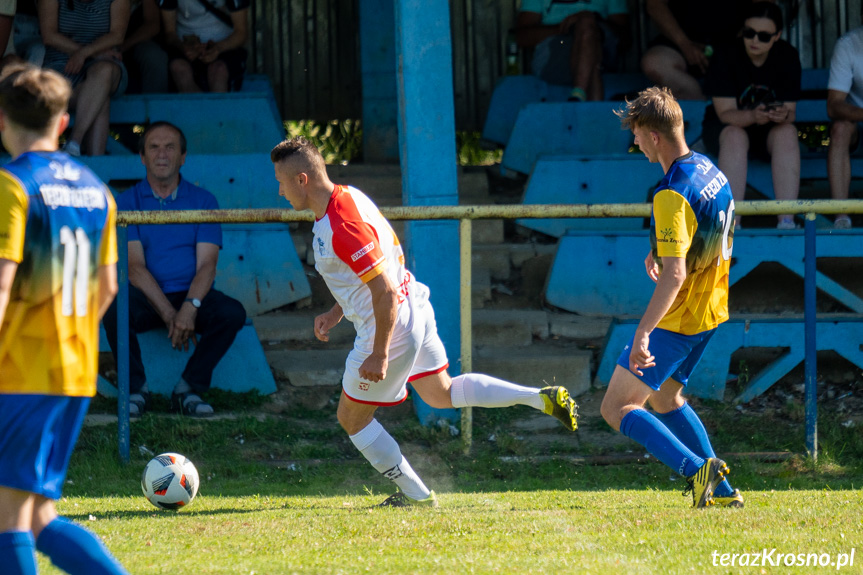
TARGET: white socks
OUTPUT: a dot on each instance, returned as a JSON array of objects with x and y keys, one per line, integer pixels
[
  {"x": 480, "y": 390},
  {"x": 382, "y": 451}
]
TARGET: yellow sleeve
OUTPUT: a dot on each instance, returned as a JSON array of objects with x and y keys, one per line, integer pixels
[
  {"x": 14, "y": 204},
  {"x": 675, "y": 224},
  {"x": 108, "y": 249}
]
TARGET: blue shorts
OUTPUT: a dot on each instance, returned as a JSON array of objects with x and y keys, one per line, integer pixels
[
  {"x": 37, "y": 435},
  {"x": 676, "y": 356}
]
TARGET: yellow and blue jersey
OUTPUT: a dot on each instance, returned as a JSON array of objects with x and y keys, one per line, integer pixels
[
  {"x": 58, "y": 222},
  {"x": 693, "y": 218}
]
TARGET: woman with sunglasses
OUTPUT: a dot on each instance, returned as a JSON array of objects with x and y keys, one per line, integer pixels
[{"x": 754, "y": 84}]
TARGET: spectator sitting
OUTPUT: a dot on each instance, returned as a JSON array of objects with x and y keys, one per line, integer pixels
[
  {"x": 25, "y": 33},
  {"x": 689, "y": 32},
  {"x": 845, "y": 108},
  {"x": 755, "y": 84},
  {"x": 81, "y": 39},
  {"x": 171, "y": 271},
  {"x": 205, "y": 43},
  {"x": 573, "y": 41},
  {"x": 145, "y": 59}
]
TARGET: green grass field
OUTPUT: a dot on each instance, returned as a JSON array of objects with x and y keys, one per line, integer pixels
[{"x": 287, "y": 494}]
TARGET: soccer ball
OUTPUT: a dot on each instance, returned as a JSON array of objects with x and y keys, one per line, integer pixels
[{"x": 170, "y": 481}]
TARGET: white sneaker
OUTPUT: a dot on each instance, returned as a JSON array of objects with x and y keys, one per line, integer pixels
[
  {"x": 786, "y": 225},
  {"x": 842, "y": 222}
]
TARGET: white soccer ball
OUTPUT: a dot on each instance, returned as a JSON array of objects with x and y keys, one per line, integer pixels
[{"x": 170, "y": 481}]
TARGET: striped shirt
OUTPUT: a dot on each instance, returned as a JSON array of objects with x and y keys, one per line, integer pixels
[{"x": 83, "y": 22}]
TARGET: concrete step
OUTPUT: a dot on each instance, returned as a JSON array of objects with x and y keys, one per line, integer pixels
[
  {"x": 537, "y": 366},
  {"x": 309, "y": 367},
  {"x": 491, "y": 327},
  {"x": 508, "y": 328}
]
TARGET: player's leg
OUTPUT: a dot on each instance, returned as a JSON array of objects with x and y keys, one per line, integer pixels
[
  {"x": 623, "y": 409},
  {"x": 379, "y": 447},
  {"x": 678, "y": 416},
  {"x": 17, "y": 548},
  {"x": 71, "y": 547},
  {"x": 434, "y": 385}
]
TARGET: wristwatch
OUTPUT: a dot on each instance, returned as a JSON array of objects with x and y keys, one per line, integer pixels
[{"x": 194, "y": 301}]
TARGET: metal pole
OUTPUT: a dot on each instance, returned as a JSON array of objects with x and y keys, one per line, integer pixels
[
  {"x": 465, "y": 314},
  {"x": 123, "y": 343},
  {"x": 809, "y": 295}
]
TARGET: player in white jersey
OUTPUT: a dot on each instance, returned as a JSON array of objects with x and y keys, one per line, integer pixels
[{"x": 360, "y": 258}]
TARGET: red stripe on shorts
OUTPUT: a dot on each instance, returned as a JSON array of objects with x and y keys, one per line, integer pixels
[
  {"x": 427, "y": 373},
  {"x": 378, "y": 403}
]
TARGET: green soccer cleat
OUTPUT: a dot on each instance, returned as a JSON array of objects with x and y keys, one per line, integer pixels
[
  {"x": 558, "y": 404},
  {"x": 733, "y": 500},
  {"x": 705, "y": 480},
  {"x": 399, "y": 499}
]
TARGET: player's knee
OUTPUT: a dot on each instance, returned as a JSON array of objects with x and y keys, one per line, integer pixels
[{"x": 611, "y": 412}]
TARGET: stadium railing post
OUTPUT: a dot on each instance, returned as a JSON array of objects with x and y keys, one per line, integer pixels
[
  {"x": 123, "y": 431},
  {"x": 466, "y": 310},
  {"x": 809, "y": 296}
]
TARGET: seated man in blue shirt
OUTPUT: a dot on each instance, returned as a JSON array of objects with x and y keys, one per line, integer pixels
[{"x": 171, "y": 271}]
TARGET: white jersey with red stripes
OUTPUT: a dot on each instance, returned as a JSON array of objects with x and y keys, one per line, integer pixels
[{"x": 353, "y": 244}]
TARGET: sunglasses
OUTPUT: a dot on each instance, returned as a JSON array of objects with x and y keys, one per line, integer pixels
[{"x": 764, "y": 37}]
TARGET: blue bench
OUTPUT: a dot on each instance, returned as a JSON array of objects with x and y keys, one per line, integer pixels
[
  {"x": 842, "y": 334},
  {"x": 602, "y": 273},
  {"x": 243, "y": 368},
  {"x": 515, "y": 92},
  {"x": 578, "y": 129}
]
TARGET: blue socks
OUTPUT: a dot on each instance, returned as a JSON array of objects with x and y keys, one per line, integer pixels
[
  {"x": 76, "y": 550},
  {"x": 649, "y": 431},
  {"x": 17, "y": 550},
  {"x": 685, "y": 424}
]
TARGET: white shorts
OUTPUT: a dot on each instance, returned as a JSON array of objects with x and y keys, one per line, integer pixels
[{"x": 417, "y": 355}]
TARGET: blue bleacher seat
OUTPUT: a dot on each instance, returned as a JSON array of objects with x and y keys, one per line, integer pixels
[
  {"x": 243, "y": 368},
  {"x": 842, "y": 334}
]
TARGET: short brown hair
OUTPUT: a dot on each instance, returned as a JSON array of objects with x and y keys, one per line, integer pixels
[
  {"x": 142, "y": 141},
  {"x": 655, "y": 109},
  {"x": 301, "y": 149},
  {"x": 32, "y": 97}
]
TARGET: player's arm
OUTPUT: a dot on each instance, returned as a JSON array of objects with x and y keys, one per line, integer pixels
[
  {"x": 7, "y": 276},
  {"x": 385, "y": 300},
  {"x": 182, "y": 329},
  {"x": 327, "y": 321},
  {"x": 667, "y": 287},
  {"x": 107, "y": 287},
  {"x": 141, "y": 278},
  {"x": 838, "y": 108}
]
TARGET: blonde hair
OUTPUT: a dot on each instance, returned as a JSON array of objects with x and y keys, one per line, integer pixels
[{"x": 655, "y": 109}]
